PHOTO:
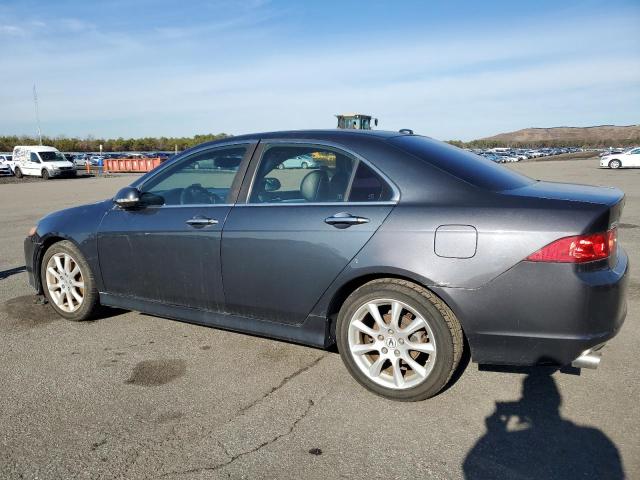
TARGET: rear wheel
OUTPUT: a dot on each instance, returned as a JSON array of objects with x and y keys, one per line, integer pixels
[
  {"x": 615, "y": 164},
  {"x": 68, "y": 282},
  {"x": 305, "y": 165},
  {"x": 45, "y": 174},
  {"x": 399, "y": 340},
  {"x": 17, "y": 172}
]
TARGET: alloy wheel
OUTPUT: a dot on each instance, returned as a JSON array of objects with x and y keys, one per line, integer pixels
[
  {"x": 65, "y": 282},
  {"x": 392, "y": 344}
]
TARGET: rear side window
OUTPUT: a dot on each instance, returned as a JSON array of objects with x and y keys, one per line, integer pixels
[
  {"x": 467, "y": 166},
  {"x": 367, "y": 186}
]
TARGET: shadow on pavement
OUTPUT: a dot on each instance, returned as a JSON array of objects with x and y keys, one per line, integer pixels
[
  {"x": 529, "y": 439},
  {"x": 12, "y": 271}
]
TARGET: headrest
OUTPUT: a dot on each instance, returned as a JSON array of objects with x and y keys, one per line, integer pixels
[{"x": 315, "y": 186}]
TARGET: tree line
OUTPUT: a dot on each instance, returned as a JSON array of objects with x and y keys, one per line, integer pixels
[
  {"x": 149, "y": 144},
  {"x": 92, "y": 144}
]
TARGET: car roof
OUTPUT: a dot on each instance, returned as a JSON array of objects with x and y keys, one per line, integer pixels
[
  {"x": 37, "y": 148},
  {"x": 327, "y": 134}
]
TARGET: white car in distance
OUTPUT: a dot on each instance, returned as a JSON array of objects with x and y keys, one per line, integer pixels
[{"x": 630, "y": 158}]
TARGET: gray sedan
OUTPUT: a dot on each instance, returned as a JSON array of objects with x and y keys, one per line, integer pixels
[{"x": 401, "y": 250}]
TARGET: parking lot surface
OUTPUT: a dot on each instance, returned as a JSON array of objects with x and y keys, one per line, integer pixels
[{"x": 135, "y": 396}]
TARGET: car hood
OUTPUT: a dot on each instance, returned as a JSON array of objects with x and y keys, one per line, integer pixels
[
  {"x": 59, "y": 164},
  {"x": 571, "y": 192}
]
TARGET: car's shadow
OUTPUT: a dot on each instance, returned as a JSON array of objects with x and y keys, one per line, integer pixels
[{"x": 530, "y": 439}]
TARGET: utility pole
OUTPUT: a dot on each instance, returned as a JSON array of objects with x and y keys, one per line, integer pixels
[{"x": 35, "y": 102}]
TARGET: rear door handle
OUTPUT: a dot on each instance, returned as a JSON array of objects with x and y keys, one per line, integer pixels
[
  {"x": 200, "y": 221},
  {"x": 344, "y": 220}
]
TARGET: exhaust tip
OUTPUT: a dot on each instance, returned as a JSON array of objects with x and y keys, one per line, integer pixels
[{"x": 587, "y": 359}]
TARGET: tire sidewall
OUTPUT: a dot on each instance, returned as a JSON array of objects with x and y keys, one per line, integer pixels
[
  {"x": 444, "y": 345},
  {"x": 90, "y": 292}
]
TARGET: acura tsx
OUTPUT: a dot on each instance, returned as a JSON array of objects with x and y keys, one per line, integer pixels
[{"x": 401, "y": 250}]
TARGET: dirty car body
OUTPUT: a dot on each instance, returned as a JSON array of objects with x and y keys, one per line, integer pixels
[{"x": 252, "y": 256}]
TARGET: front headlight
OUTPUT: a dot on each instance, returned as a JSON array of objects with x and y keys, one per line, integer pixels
[{"x": 32, "y": 231}]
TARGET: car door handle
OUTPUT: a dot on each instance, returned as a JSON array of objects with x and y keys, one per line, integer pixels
[
  {"x": 344, "y": 220},
  {"x": 201, "y": 221}
]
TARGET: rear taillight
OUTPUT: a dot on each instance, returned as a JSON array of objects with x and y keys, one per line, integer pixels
[{"x": 578, "y": 249}]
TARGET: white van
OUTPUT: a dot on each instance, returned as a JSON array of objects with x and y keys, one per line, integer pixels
[{"x": 40, "y": 161}]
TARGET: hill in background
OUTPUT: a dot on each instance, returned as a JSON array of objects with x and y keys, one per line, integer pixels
[{"x": 597, "y": 136}]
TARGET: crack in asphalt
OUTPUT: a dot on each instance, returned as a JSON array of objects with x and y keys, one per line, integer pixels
[
  {"x": 284, "y": 381},
  {"x": 233, "y": 458}
]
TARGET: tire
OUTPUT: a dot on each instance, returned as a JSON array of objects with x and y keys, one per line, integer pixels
[
  {"x": 17, "y": 172},
  {"x": 79, "y": 310},
  {"x": 305, "y": 165},
  {"x": 437, "y": 359},
  {"x": 281, "y": 166},
  {"x": 45, "y": 174},
  {"x": 615, "y": 164}
]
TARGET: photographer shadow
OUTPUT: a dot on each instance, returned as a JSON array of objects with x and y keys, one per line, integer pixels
[{"x": 529, "y": 439}]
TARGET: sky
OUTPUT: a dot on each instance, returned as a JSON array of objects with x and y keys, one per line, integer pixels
[{"x": 449, "y": 70}]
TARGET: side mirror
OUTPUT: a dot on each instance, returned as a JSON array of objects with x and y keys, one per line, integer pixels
[
  {"x": 127, "y": 197},
  {"x": 271, "y": 184}
]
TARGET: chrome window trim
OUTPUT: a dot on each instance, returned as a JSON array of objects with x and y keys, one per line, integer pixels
[
  {"x": 396, "y": 191},
  {"x": 317, "y": 204}
]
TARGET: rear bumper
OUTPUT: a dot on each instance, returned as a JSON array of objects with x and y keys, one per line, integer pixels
[{"x": 542, "y": 313}]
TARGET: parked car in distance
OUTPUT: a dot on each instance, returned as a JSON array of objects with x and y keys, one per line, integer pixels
[
  {"x": 5, "y": 165},
  {"x": 627, "y": 159},
  {"x": 400, "y": 249},
  {"x": 41, "y": 161},
  {"x": 301, "y": 161}
]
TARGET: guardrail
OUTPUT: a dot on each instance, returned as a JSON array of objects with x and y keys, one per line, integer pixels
[{"x": 131, "y": 164}]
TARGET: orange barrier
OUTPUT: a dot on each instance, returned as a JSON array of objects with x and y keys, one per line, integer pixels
[{"x": 131, "y": 164}]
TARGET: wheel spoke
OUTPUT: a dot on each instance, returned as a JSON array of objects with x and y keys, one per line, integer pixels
[
  {"x": 421, "y": 347},
  {"x": 363, "y": 348},
  {"x": 376, "y": 367},
  {"x": 76, "y": 295},
  {"x": 78, "y": 284},
  {"x": 57, "y": 297},
  {"x": 415, "y": 366},
  {"x": 364, "y": 329},
  {"x": 75, "y": 271},
  {"x": 67, "y": 263},
  {"x": 398, "y": 378},
  {"x": 396, "y": 309},
  {"x": 416, "y": 324},
  {"x": 375, "y": 313},
  {"x": 58, "y": 263},
  {"x": 53, "y": 272}
]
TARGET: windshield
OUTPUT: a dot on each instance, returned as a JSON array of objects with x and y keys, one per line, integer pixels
[
  {"x": 52, "y": 157},
  {"x": 467, "y": 166}
]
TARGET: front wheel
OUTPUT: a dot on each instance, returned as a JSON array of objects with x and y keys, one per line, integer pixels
[
  {"x": 399, "y": 340},
  {"x": 45, "y": 174},
  {"x": 68, "y": 282},
  {"x": 17, "y": 172},
  {"x": 615, "y": 164},
  {"x": 305, "y": 165}
]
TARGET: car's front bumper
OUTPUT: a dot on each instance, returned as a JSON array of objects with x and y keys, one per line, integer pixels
[
  {"x": 542, "y": 313},
  {"x": 32, "y": 249}
]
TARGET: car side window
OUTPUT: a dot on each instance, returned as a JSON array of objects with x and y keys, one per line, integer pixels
[
  {"x": 302, "y": 174},
  {"x": 34, "y": 157},
  {"x": 368, "y": 186},
  {"x": 204, "y": 178}
]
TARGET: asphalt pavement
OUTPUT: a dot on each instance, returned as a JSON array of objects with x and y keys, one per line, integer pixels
[{"x": 136, "y": 396}]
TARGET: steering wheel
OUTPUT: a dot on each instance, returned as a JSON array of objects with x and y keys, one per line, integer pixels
[{"x": 194, "y": 194}]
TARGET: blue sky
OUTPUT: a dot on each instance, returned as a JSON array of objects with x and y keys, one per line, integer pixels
[{"x": 451, "y": 70}]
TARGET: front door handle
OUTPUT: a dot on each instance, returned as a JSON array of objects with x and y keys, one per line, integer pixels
[
  {"x": 345, "y": 220},
  {"x": 200, "y": 221}
]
